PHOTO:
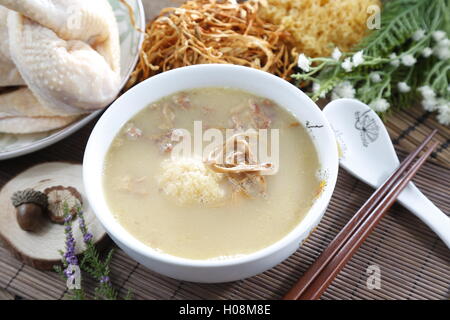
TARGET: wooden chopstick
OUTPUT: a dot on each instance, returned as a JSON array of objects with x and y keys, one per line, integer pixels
[
  {"x": 352, "y": 225},
  {"x": 311, "y": 277},
  {"x": 322, "y": 281}
]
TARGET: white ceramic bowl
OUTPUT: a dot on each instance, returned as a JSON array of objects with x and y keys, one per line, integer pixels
[{"x": 251, "y": 80}]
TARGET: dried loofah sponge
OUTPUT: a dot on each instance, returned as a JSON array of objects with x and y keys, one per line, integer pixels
[{"x": 319, "y": 26}]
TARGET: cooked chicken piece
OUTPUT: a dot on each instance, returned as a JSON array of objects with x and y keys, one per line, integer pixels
[
  {"x": 67, "y": 52},
  {"x": 182, "y": 100},
  {"x": 22, "y": 113},
  {"x": 132, "y": 132},
  {"x": 22, "y": 103},
  {"x": 261, "y": 118},
  {"x": 254, "y": 186},
  {"x": 251, "y": 116},
  {"x": 26, "y": 125},
  {"x": 167, "y": 140},
  {"x": 251, "y": 185},
  {"x": 9, "y": 75}
]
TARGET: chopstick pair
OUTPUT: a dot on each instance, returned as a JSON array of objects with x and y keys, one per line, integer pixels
[{"x": 323, "y": 271}]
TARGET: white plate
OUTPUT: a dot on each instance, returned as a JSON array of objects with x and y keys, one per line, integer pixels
[{"x": 12, "y": 146}]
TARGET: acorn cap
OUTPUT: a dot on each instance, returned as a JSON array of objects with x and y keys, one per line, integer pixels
[{"x": 29, "y": 196}]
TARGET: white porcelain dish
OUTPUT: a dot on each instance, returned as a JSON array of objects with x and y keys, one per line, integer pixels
[
  {"x": 251, "y": 80},
  {"x": 12, "y": 145}
]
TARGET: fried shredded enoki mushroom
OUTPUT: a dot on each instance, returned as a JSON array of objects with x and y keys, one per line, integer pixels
[
  {"x": 213, "y": 31},
  {"x": 236, "y": 156},
  {"x": 236, "y": 159},
  {"x": 131, "y": 14}
]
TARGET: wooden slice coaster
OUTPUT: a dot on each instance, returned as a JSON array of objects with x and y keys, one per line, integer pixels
[{"x": 40, "y": 249}]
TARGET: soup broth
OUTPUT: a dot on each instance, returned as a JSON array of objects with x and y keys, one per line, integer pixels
[{"x": 236, "y": 221}]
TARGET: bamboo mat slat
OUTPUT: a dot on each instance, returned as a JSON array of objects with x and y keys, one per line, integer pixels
[
  {"x": 5, "y": 295},
  {"x": 408, "y": 127},
  {"x": 414, "y": 263}
]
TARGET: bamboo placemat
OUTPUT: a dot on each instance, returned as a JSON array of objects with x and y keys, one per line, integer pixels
[{"x": 414, "y": 263}]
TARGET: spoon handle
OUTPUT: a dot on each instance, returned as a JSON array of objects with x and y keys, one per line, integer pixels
[{"x": 416, "y": 202}]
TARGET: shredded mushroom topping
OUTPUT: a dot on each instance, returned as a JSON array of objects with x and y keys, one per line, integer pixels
[
  {"x": 213, "y": 31},
  {"x": 236, "y": 159},
  {"x": 236, "y": 156}
]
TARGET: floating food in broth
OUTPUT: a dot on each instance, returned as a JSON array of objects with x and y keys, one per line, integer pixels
[{"x": 223, "y": 199}]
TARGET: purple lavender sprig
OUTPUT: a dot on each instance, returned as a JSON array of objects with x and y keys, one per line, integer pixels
[
  {"x": 93, "y": 264},
  {"x": 69, "y": 256},
  {"x": 91, "y": 261},
  {"x": 87, "y": 237},
  {"x": 69, "y": 259}
]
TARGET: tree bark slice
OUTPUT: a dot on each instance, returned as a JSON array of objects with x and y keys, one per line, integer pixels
[{"x": 41, "y": 249}]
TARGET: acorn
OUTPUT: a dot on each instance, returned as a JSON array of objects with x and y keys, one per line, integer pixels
[{"x": 30, "y": 207}]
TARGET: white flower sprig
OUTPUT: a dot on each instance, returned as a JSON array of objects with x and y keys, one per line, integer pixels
[
  {"x": 439, "y": 35},
  {"x": 350, "y": 63},
  {"x": 337, "y": 54},
  {"x": 316, "y": 88},
  {"x": 418, "y": 35},
  {"x": 408, "y": 60},
  {"x": 403, "y": 87},
  {"x": 421, "y": 68},
  {"x": 303, "y": 62},
  {"x": 343, "y": 90},
  {"x": 442, "y": 50},
  {"x": 427, "y": 52},
  {"x": 395, "y": 62},
  {"x": 375, "y": 77},
  {"x": 444, "y": 114},
  {"x": 380, "y": 105}
]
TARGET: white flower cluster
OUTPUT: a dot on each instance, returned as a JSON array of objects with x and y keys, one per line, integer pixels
[
  {"x": 418, "y": 35},
  {"x": 407, "y": 60},
  {"x": 403, "y": 87},
  {"x": 343, "y": 90},
  {"x": 441, "y": 49},
  {"x": 303, "y": 62},
  {"x": 379, "y": 105},
  {"x": 350, "y": 63},
  {"x": 375, "y": 77},
  {"x": 442, "y": 45},
  {"x": 444, "y": 114},
  {"x": 394, "y": 59},
  {"x": 337, "y": 54},
  {"x": 316, "y": 88},
  {"x": 427, "y": 52},
  {"x": 431, "y": 102}
]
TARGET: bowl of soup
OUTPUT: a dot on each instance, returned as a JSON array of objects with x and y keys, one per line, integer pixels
[{"x": 211, "y": 173}]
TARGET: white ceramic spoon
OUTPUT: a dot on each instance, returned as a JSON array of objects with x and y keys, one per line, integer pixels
[{"x": 368, "y": 154}]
